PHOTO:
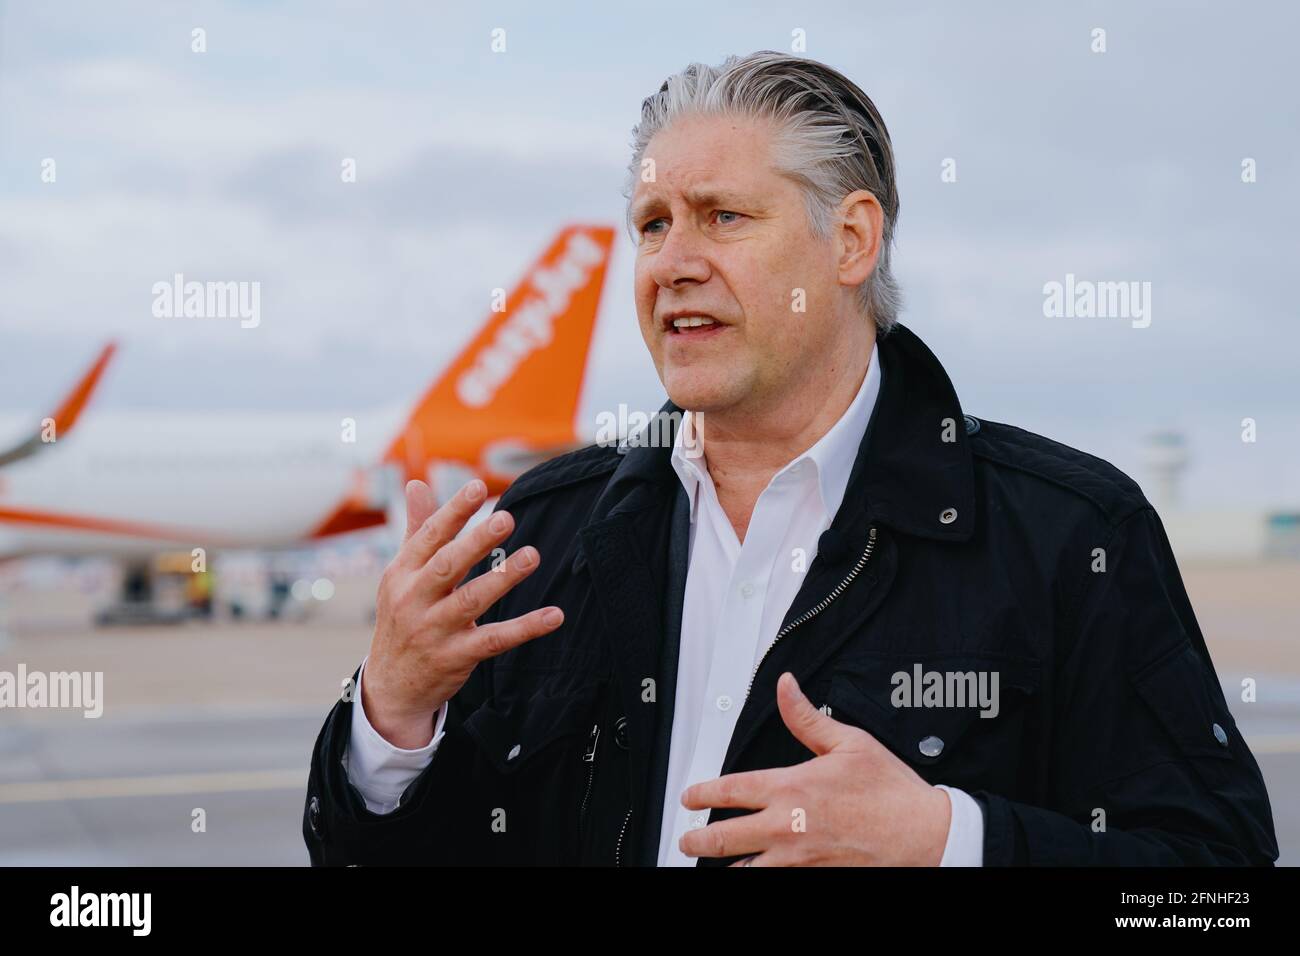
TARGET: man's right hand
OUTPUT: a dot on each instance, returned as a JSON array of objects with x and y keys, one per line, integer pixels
[{"x": 426, "y": 642}]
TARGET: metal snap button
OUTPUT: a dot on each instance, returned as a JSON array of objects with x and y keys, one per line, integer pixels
[
  {"x": 313, "y": 817},
  {"x": 948, "y": 515},
  {"x": 930, "y": 746},
  {"x": 972, "y": 424},
  {"x": 620, "y": 733},
  {"x": 514, "y": 752},
  {"x": 1220, "y": 735}
]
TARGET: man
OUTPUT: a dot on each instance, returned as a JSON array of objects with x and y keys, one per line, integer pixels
[{"x": 836, "y": 622}]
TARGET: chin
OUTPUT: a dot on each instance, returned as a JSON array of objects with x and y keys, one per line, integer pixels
[
  {"x": 706, "y": 386},
  {"x": 702, "y": 396}
]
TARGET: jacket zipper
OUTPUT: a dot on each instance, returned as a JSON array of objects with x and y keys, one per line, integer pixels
[
  {"x": 802, "y": 619},
  {"x": 825, "y": 602},
  {"x": 618, "y": 850},
  {"x": 589, "y": 758}
]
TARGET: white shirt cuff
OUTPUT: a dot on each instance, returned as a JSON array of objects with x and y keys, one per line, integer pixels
[
  {"x": 381, "y": 772},
  {"x": 965, "y": 846}
]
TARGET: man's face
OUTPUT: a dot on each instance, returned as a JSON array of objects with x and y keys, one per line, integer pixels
[{"x": 723, "y": 235}]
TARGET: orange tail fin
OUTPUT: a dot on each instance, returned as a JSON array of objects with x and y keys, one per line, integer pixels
[
  {"x": 67, "y": 413},
  {"x": 512, "y": 395}
]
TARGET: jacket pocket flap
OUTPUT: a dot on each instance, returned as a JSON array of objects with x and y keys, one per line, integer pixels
[
  {"x": 921, "y": 705},
  {"x": 511, "y": 736},
  {"x": 1177, "y": 690}
]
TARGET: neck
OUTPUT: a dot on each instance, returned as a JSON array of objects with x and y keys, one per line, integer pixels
[{"x": 744, "y": 448}]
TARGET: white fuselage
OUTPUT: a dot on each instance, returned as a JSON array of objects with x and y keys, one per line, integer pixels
[{"x": 130, "y": 482}]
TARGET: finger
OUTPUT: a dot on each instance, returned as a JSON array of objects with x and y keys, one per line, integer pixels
[
  {"x": 469, "y": 601},
  {"x": 753, "y": 790},
  {"x": 817, "y": 731},
  {"x": 489, "y": 640},
  {"x": 419, "y": 505},
  {"x": 453, "y": 560},
  {"x": 752, "y": 833},
  {"x": 443, "y": 525}
]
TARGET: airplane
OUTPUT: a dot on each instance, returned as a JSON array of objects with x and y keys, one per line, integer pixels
[{"x": 129, "y": 484}]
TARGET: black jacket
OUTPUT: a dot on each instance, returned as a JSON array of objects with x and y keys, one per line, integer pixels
[{"x": 962, "y": 549}]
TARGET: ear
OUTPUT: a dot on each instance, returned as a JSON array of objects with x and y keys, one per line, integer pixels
[{"x": 861, "y": 233}]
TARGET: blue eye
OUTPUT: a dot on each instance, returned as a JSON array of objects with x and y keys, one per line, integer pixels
[
  {"x": 646, "y": 227},
  {"x": 723, "y": 212}
]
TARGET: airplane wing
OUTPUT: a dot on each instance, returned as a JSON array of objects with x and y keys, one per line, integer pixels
[{"x": 66, "y": 415}]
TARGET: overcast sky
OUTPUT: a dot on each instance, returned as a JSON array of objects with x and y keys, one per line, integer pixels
[{"x": 1115, "y": 166}]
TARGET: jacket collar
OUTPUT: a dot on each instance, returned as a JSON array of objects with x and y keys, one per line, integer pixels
[{"x": 913, "y": 471}]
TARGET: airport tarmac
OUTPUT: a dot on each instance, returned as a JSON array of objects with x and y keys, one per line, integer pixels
[{"x": 221, "y": 718}]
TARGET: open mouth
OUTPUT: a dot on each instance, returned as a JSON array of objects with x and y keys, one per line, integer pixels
[{"x": 693, "y": 326}]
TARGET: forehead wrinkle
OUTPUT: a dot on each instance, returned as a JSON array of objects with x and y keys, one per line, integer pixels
[
  {"x": 701, "y": 195},
  {"x": 709, "y": 195}
]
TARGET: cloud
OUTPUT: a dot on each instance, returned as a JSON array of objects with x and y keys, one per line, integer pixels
[{"x": 226, "y": 165}]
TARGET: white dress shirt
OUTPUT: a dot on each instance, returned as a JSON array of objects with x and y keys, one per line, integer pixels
[{"x": 737, "y": 595}]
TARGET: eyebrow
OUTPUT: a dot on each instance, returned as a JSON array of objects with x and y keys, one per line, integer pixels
[{"x": 701, "y": 196}]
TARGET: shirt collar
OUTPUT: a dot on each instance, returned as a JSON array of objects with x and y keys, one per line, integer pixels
[
  {"x": 832, "y": 456},
  {"x": 902, "y": 478}
]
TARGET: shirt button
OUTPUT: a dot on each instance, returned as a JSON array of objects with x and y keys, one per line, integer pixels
[
  {"x": 698, "y": 820},
  {"x": 1220, "y": 735},
  {"x": 724, "y": 702},
  {"x": 930, "y": 746},
  {"x": 747, "y": 589}
]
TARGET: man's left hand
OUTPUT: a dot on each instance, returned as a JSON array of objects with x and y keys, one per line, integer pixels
[{"x": 853, "y": 804}]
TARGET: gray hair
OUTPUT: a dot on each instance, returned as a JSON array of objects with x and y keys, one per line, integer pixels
[{"x": 830, "y": 139}]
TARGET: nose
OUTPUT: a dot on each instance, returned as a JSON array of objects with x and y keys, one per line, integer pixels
[{"x": 680, "y": 258}]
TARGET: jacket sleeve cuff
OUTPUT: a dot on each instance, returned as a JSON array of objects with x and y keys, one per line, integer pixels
[
  {"x": 965, "y": 846},
  {"x": 379, "y": 771},
  {"x": 1004, "y": 839}
]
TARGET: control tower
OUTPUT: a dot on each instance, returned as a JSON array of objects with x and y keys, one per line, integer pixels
[{"x": 1166, "y": 460}]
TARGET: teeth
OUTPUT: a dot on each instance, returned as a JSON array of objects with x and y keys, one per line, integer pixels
[{"x": 691, "y": 322}]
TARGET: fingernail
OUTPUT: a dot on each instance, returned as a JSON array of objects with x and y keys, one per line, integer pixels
[
  {"x": 498, "y": 522},
  {"x": 552, "y": 616},
  {"x": 526, "y": 558},
  {"x": 475, "y": 490}
]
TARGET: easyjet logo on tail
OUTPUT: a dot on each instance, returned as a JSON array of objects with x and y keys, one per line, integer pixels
[{"x": 530, "y": 326}]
